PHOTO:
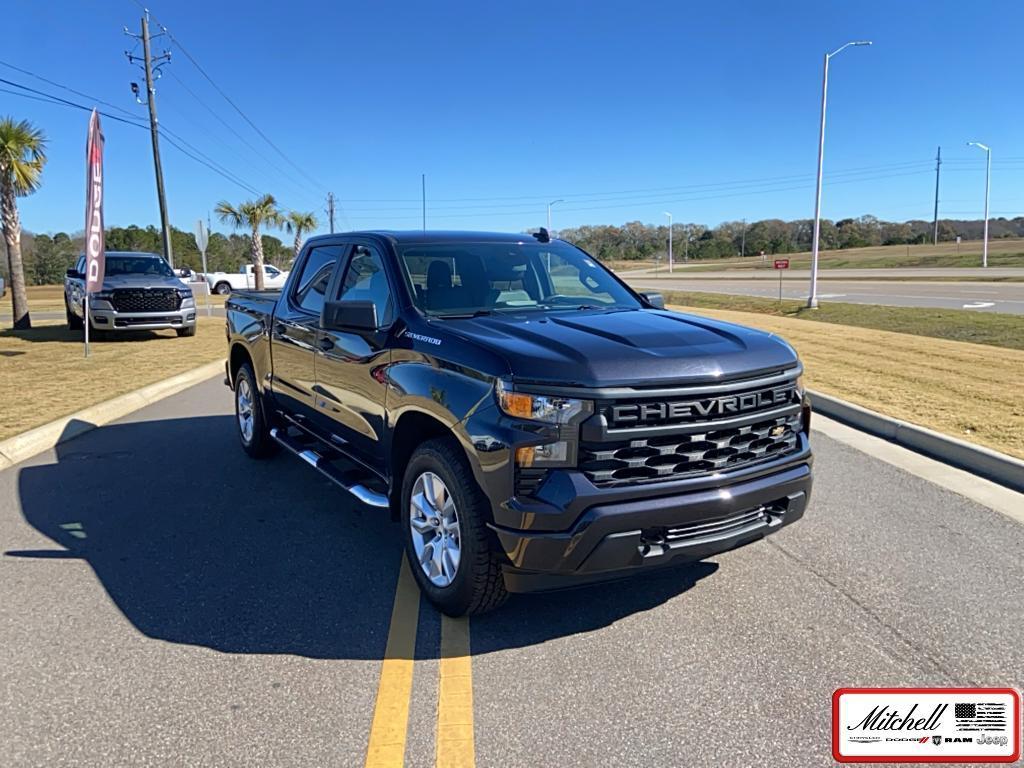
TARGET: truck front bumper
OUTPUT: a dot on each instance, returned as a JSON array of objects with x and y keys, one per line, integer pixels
[
  {"x": 651, "y": 528},
  {"x": 112, "y": 320}
]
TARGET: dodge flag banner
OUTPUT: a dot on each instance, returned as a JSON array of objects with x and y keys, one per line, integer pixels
[{"x": 94, "y": 246}]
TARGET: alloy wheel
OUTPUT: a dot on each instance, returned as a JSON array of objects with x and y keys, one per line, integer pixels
[{"x": 434, "y": 523}]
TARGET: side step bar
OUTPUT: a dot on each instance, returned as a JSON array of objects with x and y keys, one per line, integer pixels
[{"x": 315, "y": 460}]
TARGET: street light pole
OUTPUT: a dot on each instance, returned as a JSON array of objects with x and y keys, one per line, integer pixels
[
  {"x": 549, "y": 211},
  {"x": 812, "y": 300},
  {"x": 669, "y": 240},
  {"x": 988, "y": 176}
]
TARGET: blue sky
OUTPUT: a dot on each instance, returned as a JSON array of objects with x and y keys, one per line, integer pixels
[{"x": 625, "y": 110}]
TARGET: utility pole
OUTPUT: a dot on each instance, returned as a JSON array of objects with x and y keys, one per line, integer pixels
[
  {"x": 154, "y": 130},
  {"x": 423, "y": 193},
  {"x": 330, "y": 210},
  {"x": 935, "y": 225},
  {"x": 743, "y": 242}
]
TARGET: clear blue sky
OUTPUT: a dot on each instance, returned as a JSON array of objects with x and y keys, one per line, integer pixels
[{"x": 508, "y": 105}]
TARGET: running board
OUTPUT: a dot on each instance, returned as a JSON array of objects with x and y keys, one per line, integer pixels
[{"x": 315, "y": 460}]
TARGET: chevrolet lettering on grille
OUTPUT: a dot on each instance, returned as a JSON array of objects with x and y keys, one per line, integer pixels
[{"x": 705, "y": 408}]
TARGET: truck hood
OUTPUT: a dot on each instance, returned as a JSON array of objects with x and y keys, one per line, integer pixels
[
  {"x": 113, "y": 282},
  {"x": 625, "y": 348}
]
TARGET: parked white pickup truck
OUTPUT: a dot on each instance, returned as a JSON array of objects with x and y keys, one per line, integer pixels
[{"x": 226, "y": 282}]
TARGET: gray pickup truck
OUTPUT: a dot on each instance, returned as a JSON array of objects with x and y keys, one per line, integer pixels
[{"x": 140, "y": 292}]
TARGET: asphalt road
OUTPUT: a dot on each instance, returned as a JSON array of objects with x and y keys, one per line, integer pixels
[
  {"x": 976, "y": 296},
  {"x": 166, "y": 601}
]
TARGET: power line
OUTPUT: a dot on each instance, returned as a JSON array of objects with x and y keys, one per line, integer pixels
[
  {"x": 51, "y": 99},
  {"x": 236, "y": 134},
  {"x": 66, "y": 88},
  {"x": 646, "y": 192},
  {"x": 230, "y": 101}
]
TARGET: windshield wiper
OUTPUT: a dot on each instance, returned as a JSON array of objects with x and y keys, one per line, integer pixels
[{"x": 464, "y": 315}]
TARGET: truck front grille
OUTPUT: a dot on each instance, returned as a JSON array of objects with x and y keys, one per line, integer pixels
[
  {"x": 146, "y": 300},
  {"x": 677, "y": 456}
]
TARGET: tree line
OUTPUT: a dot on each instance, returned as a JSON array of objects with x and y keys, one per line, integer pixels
[{"x": 636, "y": 240}]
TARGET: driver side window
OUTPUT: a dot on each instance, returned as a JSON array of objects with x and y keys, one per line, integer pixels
[{"x": 311, "y": 287}]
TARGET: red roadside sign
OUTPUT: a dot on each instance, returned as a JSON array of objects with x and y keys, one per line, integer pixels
[{"x": 782, "y": 263}]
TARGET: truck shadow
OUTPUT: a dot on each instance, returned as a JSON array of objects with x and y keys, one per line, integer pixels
[
  {"x": 197, "y": 544},
  {"x": 61, "y": 333}
]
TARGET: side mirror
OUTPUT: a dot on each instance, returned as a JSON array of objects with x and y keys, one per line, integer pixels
[
  {"x": 72, "y": 273},
  {"x": 654, "y": 298},
  {"x": 349, "y": 316}
]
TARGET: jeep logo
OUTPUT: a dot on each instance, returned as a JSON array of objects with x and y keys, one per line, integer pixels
[{"x": 691, "y": 410}]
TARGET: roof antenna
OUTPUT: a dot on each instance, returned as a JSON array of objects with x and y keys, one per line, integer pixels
[{"x": 542, "y": 236}]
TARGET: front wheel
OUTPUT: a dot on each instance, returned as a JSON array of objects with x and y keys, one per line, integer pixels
[
  {"x": 74, "y": 321},
  {"x": 446, "y": 536},
  {"x": 186, "y": 331},
  {"x": 253, "y": 428}
]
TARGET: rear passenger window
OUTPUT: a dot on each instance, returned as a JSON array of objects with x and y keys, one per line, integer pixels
[
  {"x": 316, "y": 276},
  {"x": 365, "y": 280}
]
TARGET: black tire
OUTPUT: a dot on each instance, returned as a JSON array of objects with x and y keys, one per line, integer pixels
[
  {"x": 187, "y": 331},
  {"x": 260, "y": 444},
  {"x": 478, "y": 585},
  {"x": 74, "y": 321},
  {"x": 222, "y": 289}
]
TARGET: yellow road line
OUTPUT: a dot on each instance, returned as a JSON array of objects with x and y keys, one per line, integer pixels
[
  {"x": 455, "y": 747},
  {"x": 386, "y": 748}
]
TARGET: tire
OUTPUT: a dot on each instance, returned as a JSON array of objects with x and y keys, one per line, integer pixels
[
  {"x": 74, "y": 321},
  {"x": 187, "y": 331},
  {"x": 477, "y": 585},
  {"x": 222, "y": 289},
  {"x": 256, "y": 441}
]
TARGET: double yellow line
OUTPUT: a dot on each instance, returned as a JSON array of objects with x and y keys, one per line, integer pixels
[{"x": 454, "y": 738}]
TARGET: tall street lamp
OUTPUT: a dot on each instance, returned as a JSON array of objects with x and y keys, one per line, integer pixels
[
  {"x": 669, "y": 240},
  {"x": 812, "y": 300},
  {"x": 549, "y": 211},
  {"x": 988, "y": 174}
]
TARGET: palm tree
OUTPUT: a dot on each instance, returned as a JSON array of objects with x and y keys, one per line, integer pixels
[
  {"x": 299, "y": 222},
  {"x": 252, "y": 214},
  {"x": 22, "y": 157}
]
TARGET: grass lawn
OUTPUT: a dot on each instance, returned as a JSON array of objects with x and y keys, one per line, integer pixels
[
  {"x": 970, "y": 391},
  {"x": 1004, "y": 252},
  {"x": 996, "y": 329},
  {"x": 44, "y": 374}
]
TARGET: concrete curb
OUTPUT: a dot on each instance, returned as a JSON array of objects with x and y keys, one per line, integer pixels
[
  {"x": 20, "y": 447},
  {"x": 981, "y": 461}
]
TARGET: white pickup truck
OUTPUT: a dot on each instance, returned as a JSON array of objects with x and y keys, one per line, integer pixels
[{"x": 226, "y": 282}]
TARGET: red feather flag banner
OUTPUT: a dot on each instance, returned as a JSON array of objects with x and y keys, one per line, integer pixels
[{"x": 95, "y": 253}]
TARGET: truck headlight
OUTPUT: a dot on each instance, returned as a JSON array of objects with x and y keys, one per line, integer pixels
[
  {"x": 550, "y": 409},
  {"x": 185, "y": 293},
  {"x": 548, "y": 455}
]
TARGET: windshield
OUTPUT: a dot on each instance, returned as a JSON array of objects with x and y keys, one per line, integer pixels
[
  {"x": 462, "y": 278},
  {"x": 137, "y": 265}
]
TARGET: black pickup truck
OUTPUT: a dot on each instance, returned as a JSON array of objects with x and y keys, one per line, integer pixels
[{"x": 529, "y": 420}]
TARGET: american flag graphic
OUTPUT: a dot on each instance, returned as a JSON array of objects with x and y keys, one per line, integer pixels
[{"x": 979, "y": 717}]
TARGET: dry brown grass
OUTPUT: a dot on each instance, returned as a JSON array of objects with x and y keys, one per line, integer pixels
[
  {"x": 44, "y": 374},
  {"x": 970, "y": 391}
]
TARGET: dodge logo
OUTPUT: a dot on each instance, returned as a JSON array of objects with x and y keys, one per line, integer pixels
[{"x": 691, "y": 410}]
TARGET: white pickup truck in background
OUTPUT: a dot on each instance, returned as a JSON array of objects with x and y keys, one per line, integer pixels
[{"x": 226, "y": 282}]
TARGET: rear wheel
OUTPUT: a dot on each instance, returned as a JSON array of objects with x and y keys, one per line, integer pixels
[
  {"x": 253, "y": 427},
  {"x": 222, "y": 289},
  {"x": 446, "y": 536}
]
